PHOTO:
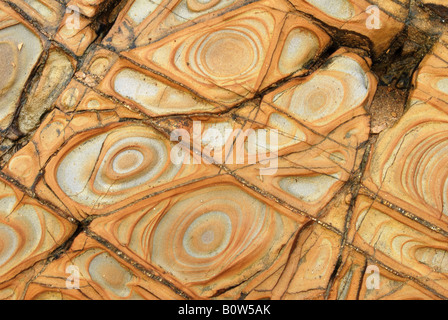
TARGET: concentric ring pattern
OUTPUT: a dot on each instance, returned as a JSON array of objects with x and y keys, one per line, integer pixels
[{"x": 223, "y": 149}]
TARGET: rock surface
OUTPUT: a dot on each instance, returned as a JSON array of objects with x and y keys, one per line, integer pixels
[{"x": 223, "y": 149}]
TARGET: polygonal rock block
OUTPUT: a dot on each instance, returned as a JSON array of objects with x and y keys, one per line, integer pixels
[
  {"x": 237, "y": 54},
  {"x": 356, "y": 280},
  {"x": 89, "y": 271},
  {"x": 361, "y": 17},
  {"x": 29, "y": 231},
  {"x": 214, "y": 236},
  {"x": 76, "y": 36},
  {"x": 56, "y": 73},
  {"x": 407, "y": 165},
  {"x": 307, "y": 180},
  {"x": 141, "y": 23},
  {"x": 429, "y": 80},
  {"x": 339, "y": 91},
  {"x": 310, "y": 265},
  {"x": 400, "y": 243},
  {"x": 151, "y": 93},
  {"x": 106, "y": 163},
  {"x": 15, "y": 289},
  {"x": 47, "y": 13},
  {"x": 20, "y": 50}
]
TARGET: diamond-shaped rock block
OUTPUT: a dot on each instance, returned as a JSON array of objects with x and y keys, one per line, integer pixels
[
  {"x": 228, "y": 59},
  {"x": 20, "y": 49},
  {"x": 29, "y": 231},
  {"x": 90, "y": 271},
  {"x": 215, "y": 236}
]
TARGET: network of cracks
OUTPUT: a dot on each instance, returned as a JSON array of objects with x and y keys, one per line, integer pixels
[{"x": 223, "y": 149}]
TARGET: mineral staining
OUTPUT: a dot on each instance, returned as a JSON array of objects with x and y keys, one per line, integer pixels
[
  {"x": 119, "y": 126},
  {"x": 16, "y": 66}
]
